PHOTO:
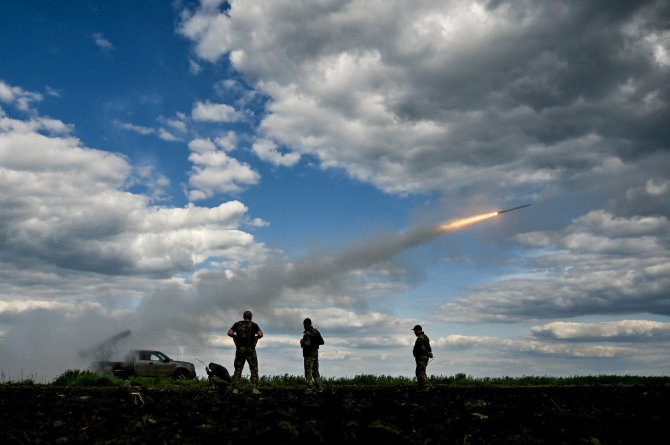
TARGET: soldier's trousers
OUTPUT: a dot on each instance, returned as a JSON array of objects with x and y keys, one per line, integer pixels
[
  {"x": 247, "y": 355},
  {"x": 218, "y": 383},
  {"x": 421, "y": 377},
  {"x": 312, "y": 375}
]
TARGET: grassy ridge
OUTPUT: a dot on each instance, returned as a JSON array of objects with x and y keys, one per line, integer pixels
[
  {"x": 87, "y": 378},
  {"x": 75, "y": 377}
]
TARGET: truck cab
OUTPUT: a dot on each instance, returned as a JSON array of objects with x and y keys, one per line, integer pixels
[{"x": 148, "y": 363}]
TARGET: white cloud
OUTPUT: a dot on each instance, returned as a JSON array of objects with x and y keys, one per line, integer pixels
[
  {"x": 625, "y": 330},
  {"x": 202, "y": 146},
  {"x": 102, "y": 42},
  {"x": 166, "y": 135},
  {"x": 48, "y": 221},
  {"x": 266, "y": 150},
  {"x": 532, "y": 347},
  {"x": 228, "y": 142},
  {"x": 450, "y": 96},
  {"x": 178, "y": 123},
  {"x": 17, "y": 96},
  {"x": 135, "y": 128},
  {"x": 210, "y": 112},
  {"x": 214, "y": 171},
  {"x": 53, "y": 92},
  {"x": 658, "y": 187},
  {"x": 145, "y": 131},
  {"x": 194, "y": 67}
]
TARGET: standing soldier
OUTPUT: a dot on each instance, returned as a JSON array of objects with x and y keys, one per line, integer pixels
[
  {"x": 311, "y": 339},
  {"x": 245, "y": 334},
  {"x": 421, "y": 353}
]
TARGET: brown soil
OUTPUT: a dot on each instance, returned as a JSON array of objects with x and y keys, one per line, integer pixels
[{"x": 377, "y": 415}]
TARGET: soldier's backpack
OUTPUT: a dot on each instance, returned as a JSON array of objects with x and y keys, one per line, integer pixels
[
  {"x": 246, "y": 334},
  {"x": 318, "y": 339}
]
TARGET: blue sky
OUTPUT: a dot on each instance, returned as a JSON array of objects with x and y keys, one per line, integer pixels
[{"x": 165, "y": 166}]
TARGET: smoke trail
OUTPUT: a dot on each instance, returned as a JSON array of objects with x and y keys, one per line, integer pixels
[{"x": 256, "y": 287}]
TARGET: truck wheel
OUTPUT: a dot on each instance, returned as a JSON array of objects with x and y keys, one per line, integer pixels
[{"x": 181, "y": 374}]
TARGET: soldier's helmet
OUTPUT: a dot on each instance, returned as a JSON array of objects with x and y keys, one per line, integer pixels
[{"x": 247, "y": 314}]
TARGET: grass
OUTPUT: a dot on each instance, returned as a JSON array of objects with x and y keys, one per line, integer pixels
[
  {"x": 73, "y": 377},
  {"x": 21, "y": 378},
  {"x": 462, "y": 379}
]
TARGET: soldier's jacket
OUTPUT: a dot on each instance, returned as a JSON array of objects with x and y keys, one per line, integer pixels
[
  {"x": 311, "y": 340},
  {"x": 219, "y": 371},
  {"x": 421, "y": 346},
  {"x": 245, "y": 334}
]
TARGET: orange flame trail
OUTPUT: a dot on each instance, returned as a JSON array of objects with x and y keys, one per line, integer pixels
[{"x": 455, "y": 225}]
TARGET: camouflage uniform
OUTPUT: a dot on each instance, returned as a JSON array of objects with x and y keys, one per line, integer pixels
[
  {"x": 245, "y": 343},
  {"x": 311, "y": 339},
  {"x": 421, "y": 352},
  {"x": 218, "y": 376}
]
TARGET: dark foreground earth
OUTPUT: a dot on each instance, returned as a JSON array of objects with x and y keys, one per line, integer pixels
[{"x": 374, "y": 414}]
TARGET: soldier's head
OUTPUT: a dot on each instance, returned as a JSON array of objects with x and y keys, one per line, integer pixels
[
  {"x": 307, "y": 322},
  {"x": 211, "y": 366},
  {"x": 247, "y": 315},
  {"x": 417, "y": 330}
]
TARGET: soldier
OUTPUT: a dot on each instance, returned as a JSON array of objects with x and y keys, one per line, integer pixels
[
  {"x": 421, "y": 354},
  {"x": 311, "y": 339},
  {"x": 245, "y": 333},
  {"x": 218, "y": 376}
]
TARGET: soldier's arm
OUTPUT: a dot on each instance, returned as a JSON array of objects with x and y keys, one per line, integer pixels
[
  {"x": 231, "y": 332},
  {"x": 259, "y": 333}
]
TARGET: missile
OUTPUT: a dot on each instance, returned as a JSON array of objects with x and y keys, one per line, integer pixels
[{"x": 513, "y": 208}]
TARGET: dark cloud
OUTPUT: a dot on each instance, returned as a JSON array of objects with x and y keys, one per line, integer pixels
[
  {"x": 464, "y": 98},
  {"x": 600, "y": 265}
]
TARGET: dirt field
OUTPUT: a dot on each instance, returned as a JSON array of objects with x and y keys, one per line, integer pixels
[{"x": 378, "y": 415}]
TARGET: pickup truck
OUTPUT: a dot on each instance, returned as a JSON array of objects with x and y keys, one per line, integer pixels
[{"x": 147, "y": 363}]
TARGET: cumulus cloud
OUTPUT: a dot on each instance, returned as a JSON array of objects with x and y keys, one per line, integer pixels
[
  {"x": 166, "y": 135},
  {"x": 79, "y": 251},
  {"x": 210, "y": 112},
  {"x": 451, "y": 96},
  {"x": 267, "y": 151},
  {"x": 17, "y": 96},
  {"x": 178, "y": 123},
  {"x": 625, "y": 330},
  {"x": 214, "y": 171},
  {"x": 49, "y": 220},
  {"x": 601, "y": 264},
  {"x": 532, "y": 347}
]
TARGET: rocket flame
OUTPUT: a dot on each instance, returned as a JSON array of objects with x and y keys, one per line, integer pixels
[{"x": 455, "y": 225}]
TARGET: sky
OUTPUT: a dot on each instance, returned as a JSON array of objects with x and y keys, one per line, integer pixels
[{"x": 165, "y": 166}]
